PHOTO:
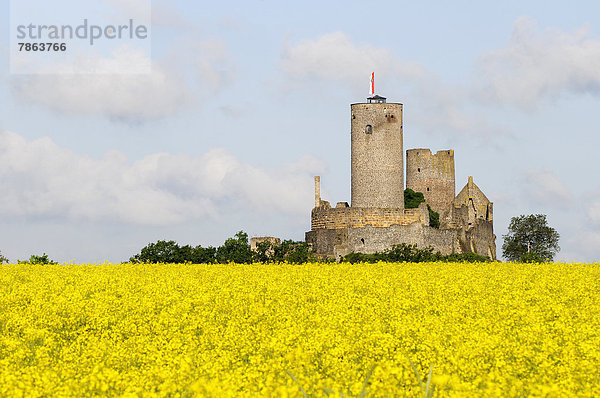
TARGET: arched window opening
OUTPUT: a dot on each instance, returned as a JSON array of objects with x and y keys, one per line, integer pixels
[{"x": 369, "y": 129}]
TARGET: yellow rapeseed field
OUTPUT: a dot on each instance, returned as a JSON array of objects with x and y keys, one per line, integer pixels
[{"x": 292, "y": 330}]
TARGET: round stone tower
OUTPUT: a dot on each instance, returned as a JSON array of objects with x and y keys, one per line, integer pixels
[{"x": 377, "y": 154}]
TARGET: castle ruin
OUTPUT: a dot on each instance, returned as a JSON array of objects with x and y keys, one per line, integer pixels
[{"x": 376, "y": 219}]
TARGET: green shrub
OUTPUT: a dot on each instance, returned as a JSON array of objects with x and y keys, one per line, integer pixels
[
  {"x": 412, "y": 199},
  {"x": 412, "y": 254},
  {"x": 434, "y": 218}
]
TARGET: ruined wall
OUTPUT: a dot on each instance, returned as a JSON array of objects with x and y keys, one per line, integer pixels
[
  {"x": 377, "y": 164},
  {"x": 433, "y": 175},
  {"x": 471, "y": 204},
  {"x": 478, "y": 239},
  {"x": 325, "y": 242},
  {"x": 325, "y": 217},
  {"x": 256, "y": 240},
  {"x": 371, "y": 240}
]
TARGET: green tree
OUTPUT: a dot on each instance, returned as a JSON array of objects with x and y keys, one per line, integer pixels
[
  {"x": 528, "y": 237},
  {"x": 531, "y": 257},
  {"x": 160, "y": 252},
  {"x": 3, "y": 260},
  {"x": 236, "y": 250},
  {"x": 38, "y": 260},
  {"x": 171, "y": 253},
  {"x": 299, "y": 253},
  {"x": 204, "y": 255}
]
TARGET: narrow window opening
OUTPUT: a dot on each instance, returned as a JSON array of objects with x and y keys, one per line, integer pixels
[
  {"x": 392, "y": 116},
  {"x": 369, "y": 129},
  {"x": 419, "y": 169},
  {"x": 353, "y": 116},
  {"x": 362, "y": 240},
  {"x": 427, "y": 189}
]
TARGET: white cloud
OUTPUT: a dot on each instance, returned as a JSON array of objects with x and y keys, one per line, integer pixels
[
  {"x": 41, "y": 179},
  {"x": 593, "y": 211},
  {"x": 111, "y": 87},
  {"x": 539, "y": 64},
  {"x": 544, "y": 188},
  {"x": 334, "y": 56},
  {"x": 583, "y": 246},
  {"x": 128, "y": 84},
  {"x": 161, "y": 13},
  {"x": 114, "y": 90}
]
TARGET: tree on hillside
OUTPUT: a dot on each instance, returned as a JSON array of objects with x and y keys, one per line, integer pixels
[{"x": 530, "y": 239}]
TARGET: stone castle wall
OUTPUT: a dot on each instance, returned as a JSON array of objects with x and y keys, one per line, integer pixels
[
  {"x": 255, "y": 241},
  {"x": 433, "y": 175},
  {"x": 325, "y": 217},
  {"x": 337, "y": 243},
  {"x": 377, "y": 166}
]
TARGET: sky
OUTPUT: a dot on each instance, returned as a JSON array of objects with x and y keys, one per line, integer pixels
[{"x": 231, "y": 108}]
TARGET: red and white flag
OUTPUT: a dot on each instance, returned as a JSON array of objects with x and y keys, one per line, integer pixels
[{"x": 372, "y": 90}]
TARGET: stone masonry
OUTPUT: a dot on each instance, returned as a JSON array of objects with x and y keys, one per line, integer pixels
[{"x": 377, "y": 157}]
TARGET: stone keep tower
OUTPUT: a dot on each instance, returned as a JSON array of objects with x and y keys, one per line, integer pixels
[{"x": 377, "y": 154}]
